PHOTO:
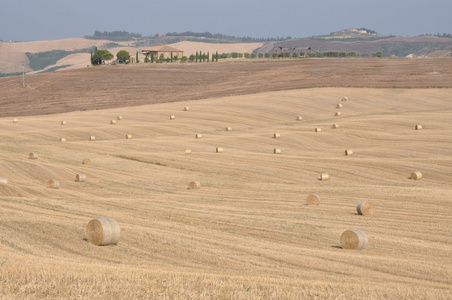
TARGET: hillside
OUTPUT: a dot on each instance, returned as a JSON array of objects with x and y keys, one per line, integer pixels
[
  {"x": 44, "y": 56},
  {"x": 139, "y": 84},
  {"x": 247, "y": 233}
]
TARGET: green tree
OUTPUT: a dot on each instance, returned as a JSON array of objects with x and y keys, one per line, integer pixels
[
  {"x": 208, "y": 55},
  {"x": 146, "y": 59},
  {"x": 171, "y": 56},
  {"x": 260, "y": 54},
  {"x": 196, "y": 57},
  {"x": 267, "y": 55},
  {"x": 138, "y": 61},
  {"x": 183, "y": 59},
  {"x": 122, "y": 56},
  {"x": 253, "y": 55},
  {"x": 192, "y": 58},
  {"x": 161, "y": 58},
  {"x": 100, "y": 56},
  {"x": 216, "y": 56},
  {"x": 152, "y": 57}
]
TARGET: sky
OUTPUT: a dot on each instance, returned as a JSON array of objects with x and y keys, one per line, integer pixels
[{"x": 32, "y": 20}]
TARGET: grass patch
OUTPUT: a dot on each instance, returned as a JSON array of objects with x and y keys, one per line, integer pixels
[
  {"x": 54, "y": 68},
  {"x": 141, "y": 160}
]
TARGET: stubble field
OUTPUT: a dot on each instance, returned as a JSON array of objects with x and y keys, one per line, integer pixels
[{"x": 247, "y": 233}]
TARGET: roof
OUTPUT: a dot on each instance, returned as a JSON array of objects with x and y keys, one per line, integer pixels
[{"x": 163, "y": 48}]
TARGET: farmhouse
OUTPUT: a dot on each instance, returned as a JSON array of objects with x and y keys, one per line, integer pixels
[{"x": 163, "y": 49}]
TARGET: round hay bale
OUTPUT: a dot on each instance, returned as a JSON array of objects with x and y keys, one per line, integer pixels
[
  {"x": 119, "y": 117},
  {"x": 187, "y": 151},
  {"x": 353, "y": 239},
  {"x": 228, "y": 128},
  {"x": 80, "y": 177},
  {"x": 277, "y": 151},
  {"x": 348, "y": 152},
  {"x": 339, "y": 105},
  {"x": 418, "y": 127},
  {"x": 416, "y": 175},
  {"x": 198, "y": 136},
  {"x": 313, "y": 199},
  {"x": 103, "y": 231},
  {"x": 62, "y": 140},
  {"x": 318, "y": 129},
  {"x": 86, "y": 161},
  {"x": 172, "y": 117},
  {"x": 3, "y": 181},
  {"x": 128, "y": 136},
  {"x": 63, "y": 122},
  {"x": 194, "y": 185},
  {"x": 299, "y": 118},
  {"x": 33, "y": 155},
  {"x": 53, "y": 184},
  {"x": 14, "y": 120},
  {"x": 92, "y": 138},
  {"x": 337, "y": 114},
  {"x": 219, "y": 150},
  {"x": 186, "y": 108},
  {"x": 365, "y": 208},
  {"x": 345, "y": 99},
  {"x": 324, "y": 176},
  {"x": 113, "y": 122},
  {"x": 335, "y": 126},
  {"x": 276, "y": 135}
]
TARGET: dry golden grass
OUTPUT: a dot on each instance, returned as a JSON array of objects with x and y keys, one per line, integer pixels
[{"x": 247, "y": 233}]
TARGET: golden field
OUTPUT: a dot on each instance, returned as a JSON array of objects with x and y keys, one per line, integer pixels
[{"x": 247, "y": 233}]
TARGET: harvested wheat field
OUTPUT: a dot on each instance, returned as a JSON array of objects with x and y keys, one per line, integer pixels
[{"x": 248, "y": 232}]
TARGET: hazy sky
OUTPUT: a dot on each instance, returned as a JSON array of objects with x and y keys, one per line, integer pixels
[{"x": 31, "y": 20}]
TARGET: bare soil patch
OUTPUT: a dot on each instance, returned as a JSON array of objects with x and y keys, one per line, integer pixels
[{"x": 130, "y": 85}]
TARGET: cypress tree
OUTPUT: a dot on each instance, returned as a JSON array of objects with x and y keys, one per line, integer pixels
[
  {"x": 196, "y": 57},
  {"x": 216, "y": 57},
  {"x": 171, "y": 56},
  {"x": 207, "y": 56},
  {"x": 152, "y": 57}
]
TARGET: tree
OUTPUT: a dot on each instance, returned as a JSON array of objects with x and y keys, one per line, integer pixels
[
  {"x": 216, "y": 56},
  {"x": 260, "y": 55},
  {"x": 123, "y": 56},
  {"x": 138, "y": 61},
  {"x": 100, "y": 56},
  {"x": 146, "y": 59},
  {"x": 192, "y": 58},
  {"x": 267, "y": 55},
  {"x": 253, "y": 55},
  {"x": 161, "y": 58},
  {"x": 171, "y": 56},
  {"x": 152, "y": 57},
  {"x": 196, "y": 57},
  {"x": 183, "y": 59},
  {"x": 208, "y": 55},
  {"x": 247, "y": 55}
]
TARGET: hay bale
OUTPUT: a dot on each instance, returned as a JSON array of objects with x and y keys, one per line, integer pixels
[
  {"x": 62, "y": 140},
  {"x": 277, "y": 151},
  {"x": 113, "y": 122},
  {"x": 187, "y": 151},
  {"x": 198, "y": 136},
  {"x": 219, "y": 150},
  {"x": 339, "y": 105},
  {"x": 324, "y": 176},
  {"x": 194, "y": 185},
  {"x": 103, "y": 231},
  {"x": 53, "y": 184},
  {"x": 172, "y": 117},
  {"x": 335, "y": 126},
  {"x": 80, "y": 177},
  {"x": 14, "y": 120},
  {"x": 63, "y": 123},
  {"x": 337, "y": 114},
  {"x": 128, "y": 136},
  {"x": 299, "y": 118},
  {"x": 276, "y": 135},
  {"x": 416, "y": 175},
  {"x": 92, "y": 138},
  {"x": 365, "y": 208},
  {"x": 33, "y": 155},
  {"x": 418, "y": 127},
  {"x": 348, "y": 152},
  {"x": 86, "y": 161},
  {"x": 3, "y": 181},
  {"x": 345, "y": 99},
  {"x": 119, "y": 117},
  {"x": 313, "y": 199},
  {"x": 228, "y": 128},
  {"x": 353, "y": 239},
  {"x": 186, "y": 108},
  {"x": 317, "y": 129}
]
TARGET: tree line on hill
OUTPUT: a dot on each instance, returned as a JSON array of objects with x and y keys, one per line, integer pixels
[{"x": 98, "y": 57}]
